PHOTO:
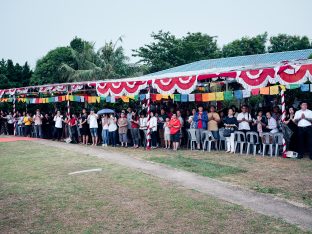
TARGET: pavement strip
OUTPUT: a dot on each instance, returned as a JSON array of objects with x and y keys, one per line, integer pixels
[{"x": 260, "y": 203}]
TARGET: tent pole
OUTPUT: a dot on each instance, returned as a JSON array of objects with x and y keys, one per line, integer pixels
[
  {"x": 148, "y": 133},
  {"x": 283, "y": 120},
  {"x": 14, "y": 110}
]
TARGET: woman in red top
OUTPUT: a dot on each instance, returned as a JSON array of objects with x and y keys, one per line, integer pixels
[
  {"x": 175, "y": 126},
  {"x": 135, "y": 129}
]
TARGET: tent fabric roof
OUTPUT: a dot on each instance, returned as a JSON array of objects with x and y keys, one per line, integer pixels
[{"x": 239, "y": 61}]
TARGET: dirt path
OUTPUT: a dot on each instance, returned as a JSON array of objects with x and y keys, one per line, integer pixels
[{"x": 261, "y": 203}]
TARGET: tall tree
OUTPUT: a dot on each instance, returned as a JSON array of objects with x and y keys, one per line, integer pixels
[
  {"x": 47, "y": 69},
  {"x": 13, "y": 75},
  {"x": 115, "y": 63},
  {"x": 284, "y": 42},
  {"x": 169, "y": 51},
  {"x": 87, "y": 63},
  {"x": 246, "y": 46}
]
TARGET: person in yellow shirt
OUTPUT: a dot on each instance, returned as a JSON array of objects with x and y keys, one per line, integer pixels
[
  {"x": 27, "y": 121},
  {"x": 213, "y": 121}
]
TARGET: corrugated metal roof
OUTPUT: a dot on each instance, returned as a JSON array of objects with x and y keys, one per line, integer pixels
[{"x": 240, "y": 61}]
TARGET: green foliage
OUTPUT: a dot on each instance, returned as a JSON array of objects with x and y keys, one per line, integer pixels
[
  {"x": 310, "y": 57},
  {"x": 255, "y": 100},
  {"x": 12, "y": 76},
  {"x": 169, "y": 51},
  {"x": 246, "y": 46},
  {"x": 284, "y": 42},
  {"x": 47, "y": 69}
]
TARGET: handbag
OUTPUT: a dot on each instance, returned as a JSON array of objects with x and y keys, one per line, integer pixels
[{"x": 227, "y": 132}]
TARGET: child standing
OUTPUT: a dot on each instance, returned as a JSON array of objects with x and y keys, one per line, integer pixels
[{"x": 167, "y": 134}]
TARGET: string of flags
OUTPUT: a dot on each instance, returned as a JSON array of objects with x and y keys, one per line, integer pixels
[{"x": 198, "y": 97}]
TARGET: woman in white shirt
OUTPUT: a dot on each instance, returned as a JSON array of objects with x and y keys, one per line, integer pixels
[
  {"x": 105, "y": 124},
  {"x": 112, "y": 129},
  {"x": 153, "y": 128}
]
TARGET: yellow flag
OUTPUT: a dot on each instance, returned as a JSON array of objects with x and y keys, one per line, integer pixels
[
  {"x": 274, "y": 90},
  {"x": 125, "y": 98},
  {"x": 283, "y": 87},
  {"x": 212, "y": 97},
  {"x": 219, "y": 96}
]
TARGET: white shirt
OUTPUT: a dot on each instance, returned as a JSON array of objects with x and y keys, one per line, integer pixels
[
  {"x": 58, "y": 121},
  {"x": 303, "y": 122},
  {"x": 143, "y": 123},
  {"x": 38, "y": 119},
  {"x": 20, "y": 120},
  {"x": 167, "y": 129},
  {"x": 10, "y": 119},
  {"x": 112, "y": 126},
  {"x": 243, "y": 125},
  {"x": 272, "y": 124},
  {"x": 93, "y": 121},
  {"x": 153, "y": 124}
]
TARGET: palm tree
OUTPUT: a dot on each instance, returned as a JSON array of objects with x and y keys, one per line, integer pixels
[{"x": 88, "y": 65}]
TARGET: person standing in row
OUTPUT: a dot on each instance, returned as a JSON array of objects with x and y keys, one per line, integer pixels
[
  {"x": 135, "y": 129},
  {"x": 72, "y": 122},
  {"x": 175, "y": 127},
  {"x": 112, "y": 129},
  {"x": 47, "y": 126},
  {"x": 27, "y": 121},
  {"x": 84, "y": 127},
  {"x": 58, "y": 127},
  {"x": 93, "y": 125},
  {"x": 123, "y": 128},
  {"x": 153, "y": 128},
  {"x": 213, "y": 121},
  {"x": 167, "y": 133},
  {"x": 230, "y": 123},
  {"x": 291, "y": 123},
  {"x": 303, "y": 118},
  {"x": 143, "y": 128},
  {"x": 200, "y": 119},
  {"x": 38, "y": 123},
  {"x": 105, "y": 127}
]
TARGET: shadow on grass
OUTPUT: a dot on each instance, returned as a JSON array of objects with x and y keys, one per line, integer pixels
[{"x": 202, "y": 167}]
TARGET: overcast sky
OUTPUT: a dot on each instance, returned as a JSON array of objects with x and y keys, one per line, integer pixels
[{"x": 29, "y": 29}]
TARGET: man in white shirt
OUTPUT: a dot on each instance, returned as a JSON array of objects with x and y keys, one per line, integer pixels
[
  {"x": 58, "y": 119},
  {"x": 303, "y": 118},
  {"x": 244, "y": 119},
  {"x": 93, "y": 125}
]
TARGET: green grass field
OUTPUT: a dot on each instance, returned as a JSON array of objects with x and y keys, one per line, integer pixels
[
  {"x": 289, "y": 179},
  {"x": 38, "y": 196}
]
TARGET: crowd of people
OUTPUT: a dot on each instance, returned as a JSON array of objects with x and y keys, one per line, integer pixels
[{"x": 168, "y": 129}]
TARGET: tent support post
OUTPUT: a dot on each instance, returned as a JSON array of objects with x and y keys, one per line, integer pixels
[
  {"x": 14, "y": 110},
  {"x": 283, "y": 120},
  {"x": 148, "y": 133}
]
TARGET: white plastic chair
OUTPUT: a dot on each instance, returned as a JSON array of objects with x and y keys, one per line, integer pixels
[
  {"x": 208, "y": 139},
  {"x": 267, "y": 140},
  {"x": 252, "y": 139},
  {"x": 222, "y": 138},
  {"x": 239, "y": 139},
  {"x": 278, "y": 141},
  {"x": 191, "y": 137}
]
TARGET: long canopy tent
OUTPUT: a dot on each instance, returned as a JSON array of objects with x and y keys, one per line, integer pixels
[{"x": 257, "y": 74}]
